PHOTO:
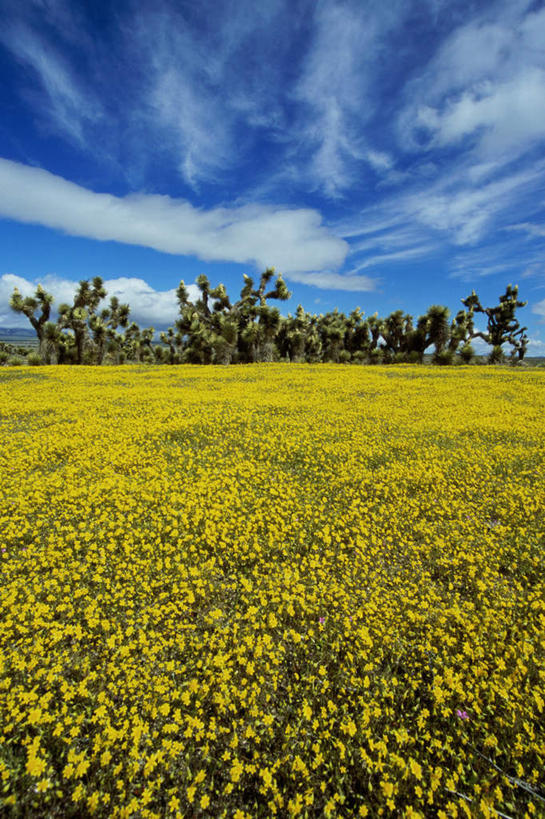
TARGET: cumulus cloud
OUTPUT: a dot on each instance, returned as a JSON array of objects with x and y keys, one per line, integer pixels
[
  {"x": 291, "y": 239},
  {"x": 149, "y": 307}
]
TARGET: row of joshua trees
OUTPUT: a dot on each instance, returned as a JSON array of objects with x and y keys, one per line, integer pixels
[{"x": 215, "y": 330}]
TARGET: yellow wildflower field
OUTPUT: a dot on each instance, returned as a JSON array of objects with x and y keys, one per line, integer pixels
[{"x": 272, "y": 590}]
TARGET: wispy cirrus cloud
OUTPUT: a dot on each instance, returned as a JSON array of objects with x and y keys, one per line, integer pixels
[
  {"x": 65, "y": 103},
  {"x": 452, "y": 205},
  {"x": 207, "y": 129},
  {"x": 529, "y": 228},
  {"x": 539, "y": 309},
  {"x": 336, "y": 92},
  {"x": 350, "y": 281}
]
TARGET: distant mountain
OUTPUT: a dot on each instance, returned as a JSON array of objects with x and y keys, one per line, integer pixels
[{"x": 7, "y": 333}]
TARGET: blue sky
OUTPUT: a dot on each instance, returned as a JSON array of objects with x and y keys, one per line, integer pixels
[{"x": 381, "y": 154}]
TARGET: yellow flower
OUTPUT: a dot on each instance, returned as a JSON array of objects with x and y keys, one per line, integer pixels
[
  {"x": 236, "y": 770},
  {"x": 199, "y": 777},
  {"x": 35, "y": 766},
  {"x": 43, "y": 785},
  {"x": 387, "y": 788},
  {"x": 416, "y": 768}
]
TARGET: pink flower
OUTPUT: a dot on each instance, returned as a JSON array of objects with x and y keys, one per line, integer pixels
[
  {"x": 462, "y": 714},
  {"x": 321, "y": 620}
]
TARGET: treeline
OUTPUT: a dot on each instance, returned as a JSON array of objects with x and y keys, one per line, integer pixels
[{"x": 215, "y": 330}]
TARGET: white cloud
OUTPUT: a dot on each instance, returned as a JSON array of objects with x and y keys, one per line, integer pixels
[
  {"x": 292, "y": 240},
  {"x": 411, "y": 225},
  {"x": 379, "y": 160},
  {"x": 149, "y": 307},
  {"x": 529, "y": 228},
  {"x": 508, "y": 116},
  {"x": 466, "y": 212},
  {"x": 486, "y": 82},
  {"x": 539, "y": 308},
  {"x": 334, "y": 281}
]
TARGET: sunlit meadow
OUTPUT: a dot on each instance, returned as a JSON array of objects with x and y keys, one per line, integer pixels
[{"x": 272, "y": 590}]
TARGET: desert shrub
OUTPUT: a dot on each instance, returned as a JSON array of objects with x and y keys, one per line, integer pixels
[
  {"x": 443, "y": 358},
  {"x": 34, "y": 359},
  {"x": 496, "y": 356},
  {"x": 467, "y": 354}
]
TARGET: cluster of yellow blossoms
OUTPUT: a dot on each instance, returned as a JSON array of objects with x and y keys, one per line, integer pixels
[{"x": 272, "y": 590}]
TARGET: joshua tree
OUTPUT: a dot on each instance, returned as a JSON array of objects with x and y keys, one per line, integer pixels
[
  {"x": 461, "y": 333},
  {"x": 332, "y": 329},
  {"x": 502, "y": 326},
  {"x": 224, "y": 338},
  {"x": 173, "y": 340},
  {"x": 396, "y": 332},
  {"x": 418, "y": 340},
  {"x": 297, "y": 338},
  {"x": 356, "y": 337},
  {"x": 77, "y": 317},
  {"x": 519, "y": 344},
  {"x": 215, "y": 331},
  {"x": 28, "y": 306},
  {"x": 375, "y": 325},
  {"x": 439, "y": 332},
  {"x": 258, "y": 323}
]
